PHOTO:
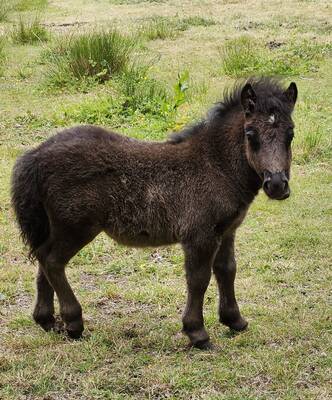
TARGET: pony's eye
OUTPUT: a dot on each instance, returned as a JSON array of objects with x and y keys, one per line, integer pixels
[
  {"x": 290, "y": 136},
  {"x": 250, "y": 132},
  {"x": 252, "y": 136}
]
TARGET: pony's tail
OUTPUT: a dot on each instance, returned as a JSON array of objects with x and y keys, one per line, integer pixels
[{"x": 26, "y": 201}]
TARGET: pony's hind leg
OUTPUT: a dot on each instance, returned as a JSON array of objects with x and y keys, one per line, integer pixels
[
  {"x": 53, "y": 258},
  {"x": 43, "y": 312}
]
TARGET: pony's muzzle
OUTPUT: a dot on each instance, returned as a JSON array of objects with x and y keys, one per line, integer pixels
[{"x": 275, "y": 185}]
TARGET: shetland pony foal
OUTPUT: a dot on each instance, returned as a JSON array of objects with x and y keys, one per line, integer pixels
[{"x": 193, "y": 189}]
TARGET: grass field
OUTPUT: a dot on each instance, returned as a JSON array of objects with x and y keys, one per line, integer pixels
[{"x": 176, "y": 59}]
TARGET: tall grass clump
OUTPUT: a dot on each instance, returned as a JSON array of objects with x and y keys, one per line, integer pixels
[
  {"x": 240, "y": 57},
  {"x": 311, "y": 146},
  {"x": 244, "y": 56},
  {"x": 96, "y": 56},
  {"x": 29, "y": 31},
  {"x": 158, "y": 27}
]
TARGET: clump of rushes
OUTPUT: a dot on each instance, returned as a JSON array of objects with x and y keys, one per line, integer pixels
[
  {"x": 29, "y": 31},
  {"x": 96, "y": 55}
]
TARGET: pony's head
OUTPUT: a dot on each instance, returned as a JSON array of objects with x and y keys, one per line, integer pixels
[{"x": 269, "y": 131}]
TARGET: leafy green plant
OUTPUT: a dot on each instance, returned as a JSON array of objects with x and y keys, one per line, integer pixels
[
  {"x": 29, "y": 31},
  {"x": 180, "y": 89},
  {"x": 96, "y": 55}
]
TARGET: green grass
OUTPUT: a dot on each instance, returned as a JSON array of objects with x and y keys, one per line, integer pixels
[
  {"x": 160, "y": 27},
  {"x": 133, "y": 299},
  {"x": 95, "y": 55},
  {"x": 142, "y": 93},
  {"x": 8, "y": 6},
  {"x": 244, "y": 56},
  {"x": 197, "y": 20},
  {"x": 135, "y": 100},
  {"x": 2, "y": 54},
  {"x": 5, "y": 8},
  {"x": 27, "y": 5},
  {"x": 133, "y": 2},
  {"x": 29, "y": 31}
]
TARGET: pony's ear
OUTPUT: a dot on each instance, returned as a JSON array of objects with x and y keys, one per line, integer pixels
[
  {"x": 291, "y": 93},
  {"x": 248, "y": 99}
]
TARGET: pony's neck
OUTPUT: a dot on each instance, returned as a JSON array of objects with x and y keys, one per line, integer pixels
[{"x": 225, "y": 140}]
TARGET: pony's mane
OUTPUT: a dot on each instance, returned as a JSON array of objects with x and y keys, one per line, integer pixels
[{"x": 269, "y": 94}]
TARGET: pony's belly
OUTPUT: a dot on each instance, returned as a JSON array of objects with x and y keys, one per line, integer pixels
[{"x": 141, "y": 239}]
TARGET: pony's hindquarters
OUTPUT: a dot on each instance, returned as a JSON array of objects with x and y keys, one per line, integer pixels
[{"x": 26, "y": 201}]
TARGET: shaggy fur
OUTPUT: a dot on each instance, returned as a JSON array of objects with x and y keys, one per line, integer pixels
[{"x": 193, "y": 189}]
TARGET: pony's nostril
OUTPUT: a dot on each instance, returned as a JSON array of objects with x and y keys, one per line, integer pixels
[{"x": 267, "y": 184}]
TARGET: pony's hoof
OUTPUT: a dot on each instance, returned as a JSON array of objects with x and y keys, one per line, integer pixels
[
  {"x": 47, "y": 322},
  {"x": 203, "y": 345},
  {"x": 74, "y": 334},
  {"x": 75, "y": 329},
  {"x": 238, "y": 325}
]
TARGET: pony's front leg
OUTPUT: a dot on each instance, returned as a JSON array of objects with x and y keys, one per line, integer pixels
[
  {"x": 224, "y": 268},
  {"x": 198, "y": 265}
]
